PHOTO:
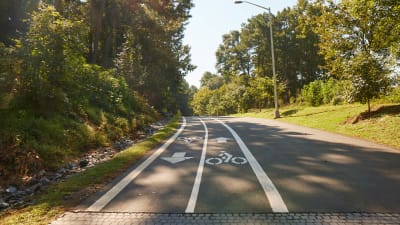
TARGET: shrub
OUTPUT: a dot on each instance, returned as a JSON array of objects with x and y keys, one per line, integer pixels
[
  {"x": 312, "y": 93},
  {"x": 394, "y": 95},
  {"x": 330, "y": 91}
]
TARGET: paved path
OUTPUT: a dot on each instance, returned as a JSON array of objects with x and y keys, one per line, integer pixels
[
  {"x": 91, "y": 218},
  {"x": 252, "y": 171}
]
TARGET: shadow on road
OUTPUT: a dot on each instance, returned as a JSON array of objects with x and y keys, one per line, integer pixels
[{"x": 324, "y": 176}]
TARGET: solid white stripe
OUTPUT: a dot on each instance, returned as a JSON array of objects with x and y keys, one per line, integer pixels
[
  {"x": 274, "y": 198},
  {"x": 114, "y": 191},
  {"x": 195, "y": 191}
]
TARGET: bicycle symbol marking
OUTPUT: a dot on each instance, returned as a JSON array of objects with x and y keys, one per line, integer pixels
[
  {"x": 225, "y": 157},
  {"x": 188, "y": 139}
]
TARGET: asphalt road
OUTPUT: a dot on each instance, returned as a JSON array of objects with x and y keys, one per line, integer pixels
[{"x": 255, "y": 165}]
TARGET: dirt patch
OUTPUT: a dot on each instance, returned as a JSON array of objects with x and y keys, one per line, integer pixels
[{"x": 392, "y": 110}]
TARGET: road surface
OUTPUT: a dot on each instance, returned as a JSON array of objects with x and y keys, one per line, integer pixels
[{"x": 246, "y": 165}]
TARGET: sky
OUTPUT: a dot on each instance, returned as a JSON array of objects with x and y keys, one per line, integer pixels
[{"x": 213, "y": 18}]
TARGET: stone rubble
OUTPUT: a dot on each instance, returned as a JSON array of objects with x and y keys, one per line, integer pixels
[{"x": 12, "y": 197}]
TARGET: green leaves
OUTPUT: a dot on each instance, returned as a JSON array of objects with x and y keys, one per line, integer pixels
[{"x": 355, "y": 43}]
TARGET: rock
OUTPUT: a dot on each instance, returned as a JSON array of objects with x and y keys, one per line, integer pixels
[
  {"x": 44, "y": 180},
  {"x": 20, "y": 193},
  {"x": 57, "y": 176},
  {"x": 123, "y": 143},
  {"x": 19, "y": 203},
  {"x": 32, "y": 181},
  {"x": 71, "y": 165},
  {"x": 62, "y": 171},
  {"x": 3, "y": 204},
  {"x": 42, "y": 173},
  {"x": 34, "y": 188},
  {"x": 83, "y": 163},
  {"x": 67, "y": 197},
  {"x": 11, "y": 189}
]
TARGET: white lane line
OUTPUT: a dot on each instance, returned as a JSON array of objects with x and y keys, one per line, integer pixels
[
  {"x": 274, "y": 198},
  {"x": 196, "y": 187},
  {"x": 114, "y": 191}
]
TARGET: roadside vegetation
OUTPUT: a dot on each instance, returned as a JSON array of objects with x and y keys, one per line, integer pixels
[
  {"x": 79, "y": 75},
  {"x": 60, "y": 197},
  {"x": 337, "y": 63},
  {"x": 327, "y": 52},
  {"x": 382, "y": 125}
]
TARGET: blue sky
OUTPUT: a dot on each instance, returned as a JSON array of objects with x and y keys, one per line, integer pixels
[{"x": 213, "y": 18}]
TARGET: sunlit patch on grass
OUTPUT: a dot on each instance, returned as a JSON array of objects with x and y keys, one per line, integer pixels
[{"x": 382, "y": 127}]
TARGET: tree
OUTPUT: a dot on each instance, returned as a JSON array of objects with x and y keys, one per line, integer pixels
[
  {"x": 201, "y": 100},
  {"x": 247, "y": 52},
  {"x": 356, "y": 38},
  {"x": 51, "y": 52},
  {"x": 261, "y": 90},
  {"x": 298, "y": 58},
  {"x": 212, "y": 81},
  {"x": 12, "y": 14},
  {"x": 205, "y": 78},
  {"x": 232, "y": 57}
]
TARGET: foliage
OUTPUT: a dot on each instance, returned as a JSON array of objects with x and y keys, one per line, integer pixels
[
  {"x": 248, "y": 52},
  {"x": 52, "y": 203},
  {"x": 261, "y": 91},
  {"x": 234, "y": 96},
  {"x": 393, "y": 96},
  {"x": 212, "y": 81},
  {"x": 356, "y": 38},
  {"x": 51, "y": 53},
  {"x": 82, "y": 74},
  {"x": 312, "y": 93},
  {"x": 326, "y": 52}
]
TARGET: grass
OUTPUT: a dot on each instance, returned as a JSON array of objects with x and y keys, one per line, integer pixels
[
  {"x": 53, "y": 203},
  {"x": 382, "y": 128}
]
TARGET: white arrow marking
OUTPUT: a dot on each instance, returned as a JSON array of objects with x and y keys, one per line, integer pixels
[
  {"x": 176, "y": 157},
  {"x": 116, "y": 189},
  {"x": 223, "y": 139}
]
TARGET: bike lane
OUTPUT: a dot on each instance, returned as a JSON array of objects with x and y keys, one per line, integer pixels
[
  {"x": 165, "y": 185},
  {"x": 228, "y": 181}
]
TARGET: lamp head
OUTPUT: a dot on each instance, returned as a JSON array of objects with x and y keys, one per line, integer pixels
[{"x": 238, "y": 2}]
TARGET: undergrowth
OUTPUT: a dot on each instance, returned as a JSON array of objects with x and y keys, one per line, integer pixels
[
  {"x": 53, "y": 202},
  {"x": 31, "y": 141}
]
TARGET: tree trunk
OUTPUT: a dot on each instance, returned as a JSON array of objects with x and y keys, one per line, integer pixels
[
  {"x": 369, "y": 108},
  {"x": 97, "y": 10}
]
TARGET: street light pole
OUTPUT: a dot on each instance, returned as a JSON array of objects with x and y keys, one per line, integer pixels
[{"x": 276, "y": 111}]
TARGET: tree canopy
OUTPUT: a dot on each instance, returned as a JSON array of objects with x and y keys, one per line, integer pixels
[
  {"x": 317, "y": 43},
  {"x": 81, "y": 74}
]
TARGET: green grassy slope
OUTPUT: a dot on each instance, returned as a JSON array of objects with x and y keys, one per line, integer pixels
[{"x": 383, "y": 126}]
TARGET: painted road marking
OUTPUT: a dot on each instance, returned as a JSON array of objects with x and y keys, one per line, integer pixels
[
  {"x": 176, "y": 157},
  {"x": 188, "y": 139},
  {"x": 116, "y": 189},
  {"x": 274, "y": 198},
  {"x": 223, "y": 139},
  {"x": 196, "y": 187},
  {"x": 225, "y": 157}
]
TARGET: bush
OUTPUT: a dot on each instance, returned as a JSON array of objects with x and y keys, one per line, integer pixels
[
  {"x": 394, "y": 95},
  {"x": 330, "y": 91},
  {"x": 312, "y": 93}
]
